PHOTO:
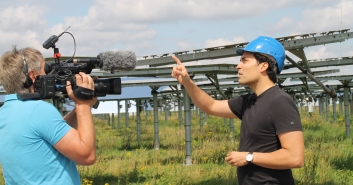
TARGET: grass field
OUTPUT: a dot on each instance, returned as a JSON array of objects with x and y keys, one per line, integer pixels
[{"x": 122, "y": 160}]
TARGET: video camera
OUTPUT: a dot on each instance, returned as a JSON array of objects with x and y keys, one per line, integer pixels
[{"x": 57, "y": 73}]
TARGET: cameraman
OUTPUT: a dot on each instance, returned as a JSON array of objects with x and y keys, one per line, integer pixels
[{"x": 38, "y": 146}]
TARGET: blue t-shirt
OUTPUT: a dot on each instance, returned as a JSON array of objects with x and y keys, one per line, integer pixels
[{"x": 28, "y": 132}]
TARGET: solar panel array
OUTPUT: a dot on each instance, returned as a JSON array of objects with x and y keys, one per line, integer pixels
[{"x": 218, "y": 79}]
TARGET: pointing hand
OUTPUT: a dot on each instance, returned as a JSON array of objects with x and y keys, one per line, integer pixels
[{"x": 179, "y": 72}]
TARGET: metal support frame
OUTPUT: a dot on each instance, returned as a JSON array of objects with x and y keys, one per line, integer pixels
[
  {"x": 329, "y": 91},
  {"x": 299, "y": 52},
  {"x": 127, "y": 113},
  {"x": 327, "y": 103},
  {"x": 138, "y": 120},
  {"x": 231, "y": 124},
  {"x": 118, "y": 106},
  {"x": 346, "y": 110},
  {"x": 201, "y": 120},
  {"x": 156, "y": 142},
  {"x": 305, "y": 83},
  {"x": 146, "y": 111},
  {"x": 340, "y": 102},
  {"x": 289, "y": 43},
  {"x": 108, "y": 119},
  {"x": 174, "y": 88},
  {"x": 334, "y": 101},
  {"x": 166, "y": 113},
  {"x": 321, "y": 106},
  {"x": 214, "y": 80},
  {"x": 187, "y": 121},
  {"x": 179, "y": 113},
  {"x": 350, "y": 103},
  {"x": 113, "y": 121}
]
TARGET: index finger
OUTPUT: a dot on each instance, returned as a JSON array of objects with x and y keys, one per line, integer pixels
[{"x": 177, "y": 60}]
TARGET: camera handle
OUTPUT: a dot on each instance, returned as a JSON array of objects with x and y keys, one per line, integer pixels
[{"x": 57, "y": 55}]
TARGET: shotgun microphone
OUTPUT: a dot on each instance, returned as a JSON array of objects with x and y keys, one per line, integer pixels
[{"x": 112, "y": 60}]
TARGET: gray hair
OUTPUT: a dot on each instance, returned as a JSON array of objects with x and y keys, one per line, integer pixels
[{"x": 12, "y": 74}]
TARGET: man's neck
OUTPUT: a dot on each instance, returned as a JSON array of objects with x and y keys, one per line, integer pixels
[{"x": 261, "y": 86}]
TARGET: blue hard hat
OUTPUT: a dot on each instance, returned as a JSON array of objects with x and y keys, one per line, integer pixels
[{"x": 269, "y": 46}]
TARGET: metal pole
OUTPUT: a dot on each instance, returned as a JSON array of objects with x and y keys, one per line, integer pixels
[
  {"x": 166, "y": 114},
  {"x": 127, "y": 113},
  {"x": 190, "y": 114},
  {"x": 187, "y": 118},
  {"x": 346, "y": 110},
  {"x": 156, "y": 129},
  {"x": 108, "y": 118},
  {"x": 180, "y": 114},
  {"x": 146, "y": 111},
  {"x": 201, "y": 121},
  {"x": 321, "y": 106},
  {"x": 232, "y": 129},
  {"x": 138, "y": 120},
  {"x": 174, "y": 106},
  {"x": 340, "y": 101},
  {"x": 351, "y": 103},
  {"x": 334, "y": 100},
  {"x": 119, "y": 126},
  {"x": 327, "y": 102},
  {"x": 113, "y": 124}
]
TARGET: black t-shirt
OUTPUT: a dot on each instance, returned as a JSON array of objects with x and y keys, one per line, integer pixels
[{"x": 263, "y": 118}]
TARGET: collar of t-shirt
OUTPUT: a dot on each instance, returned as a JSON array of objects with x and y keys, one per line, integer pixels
[{"x": 10, "y": 97}]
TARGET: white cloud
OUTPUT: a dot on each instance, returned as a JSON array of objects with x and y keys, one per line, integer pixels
[
  {"x": 283, "y": 24},
  {"x": 172, "y": 10},
  {"x": 127, "y": 21},
  {"x": 184, "y": 46},
  {"x": 320, "y": 53},
  {"x": 327, "y": 18},
  {"x": 23, "y": 17},
  {"x": 21, "y": 25},
  {"x": 317, "y": 16},
  {"x": 126, "y": 24},
  {"x": 222, "y": 42}
]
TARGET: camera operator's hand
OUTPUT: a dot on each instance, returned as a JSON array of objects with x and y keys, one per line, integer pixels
[{"x": 85, "y": 81}]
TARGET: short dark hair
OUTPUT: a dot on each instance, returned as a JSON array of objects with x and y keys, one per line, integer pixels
[{"x": 272, "y": 68}]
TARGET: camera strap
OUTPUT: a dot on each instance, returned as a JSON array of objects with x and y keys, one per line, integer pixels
[{"x": 83, "y": 93}]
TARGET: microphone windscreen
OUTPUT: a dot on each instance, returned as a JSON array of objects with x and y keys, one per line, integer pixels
[{"x": 118, "y": 60}]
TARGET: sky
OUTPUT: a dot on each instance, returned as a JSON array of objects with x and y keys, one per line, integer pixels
[{"x": 150, "y": 27}]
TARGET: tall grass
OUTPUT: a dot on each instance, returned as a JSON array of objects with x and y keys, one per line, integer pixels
[{"x": 122, "y": 160}]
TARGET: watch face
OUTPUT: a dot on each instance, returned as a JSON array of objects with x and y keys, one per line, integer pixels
[{"x": 249, "y": 157}]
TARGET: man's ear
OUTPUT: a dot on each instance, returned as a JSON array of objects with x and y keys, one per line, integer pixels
[
  {"x": 32, "y": 74},
  {"x": 264, "y": 66}
]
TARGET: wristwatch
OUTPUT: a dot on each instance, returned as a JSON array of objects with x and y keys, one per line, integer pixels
[{"x": 249, "y": 158}]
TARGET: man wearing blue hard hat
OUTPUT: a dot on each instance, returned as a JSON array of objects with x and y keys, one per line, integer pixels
[{"x": 271, "y": 138}]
